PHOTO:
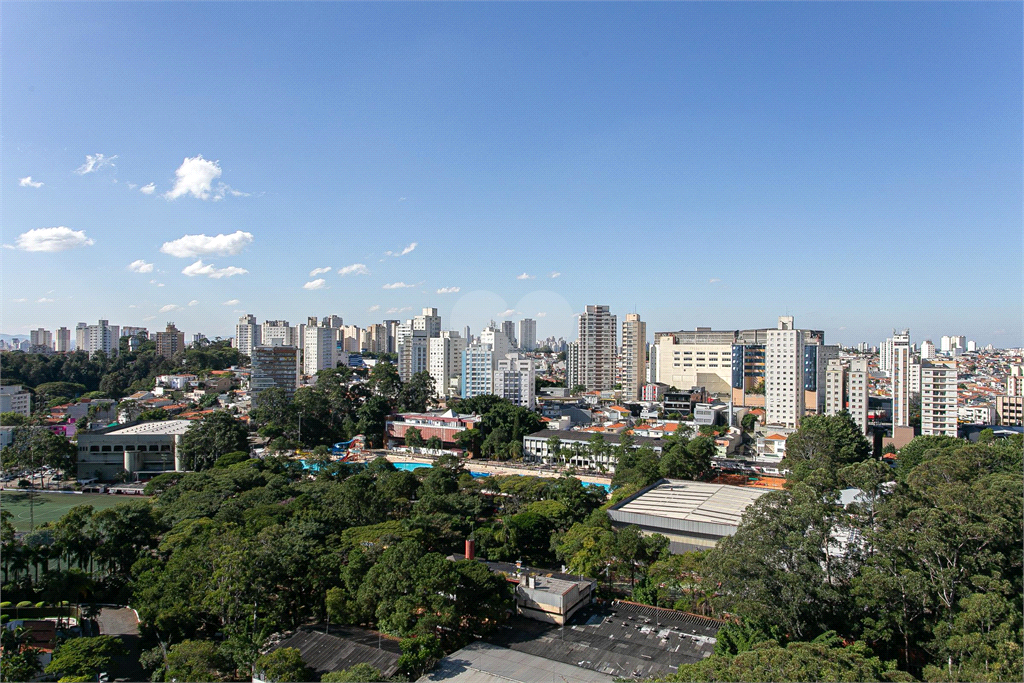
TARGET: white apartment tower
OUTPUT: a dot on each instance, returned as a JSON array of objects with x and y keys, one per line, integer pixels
[
  {"x": 277, "y": 333},
  {"x": 938, "y": 398},
  {"x": 528, "y": 334},
  {"x": 784, "y": 374},
  {"x": 497, "y": 339},
  {"x": 634, "y": 356},
  {"x": 927, "y": 350},
  {"x": 445, "y": 363},
  {"x": 478, "y": 370},
  {"x": 857, "y": 384},
  {"x": 514, "y": 380},
  {"x": 247, "y": 335},
  {"x": 319, "y": 348},
  {"x": 835, "y": 387},
  {"x": 428, "y": 321},
  {"x": 99, "y": 337},
  {"x": 901, "y": 379},
  {"x": 885, "y": 356},
  {"x": 596, "y": 353},
  {"x": 572, "y": 365}
]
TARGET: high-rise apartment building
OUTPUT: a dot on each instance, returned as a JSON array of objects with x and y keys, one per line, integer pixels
[
  {"x": 946, "y": 343},
  {"x": 319, "y": 349},
  {"x": 857, "y": 385},
  {"x": 429, "y": 322},
  {"x": 784, "y": 374},
  {"x": 509, "y": 328},
  {"x": 652, "y": 363},
  {"x": 41, "y": 339},
  {"x": 634, "y": 356},
  {"x": 277, "y": 333},
  {"x": 835, "y": 387},
  {"x": 816, "y": 358},
  {"x": 572, "y": 366},
  {"x": 927, "y": 350},
  {"x": 478, "y": 370},
  {"x": 63, "y": 340},
  {"x": 900, "y": 373},
  {"x": 528, "y": 334},
  {"x": 939, "y": 398},
  {"x": 247, "y": 335},
  {"x": 514, "y": 380},
  {"x": 275, "y": 366},
  {"x": 413, "y": 354},
  {"x": 391, "y": 328},
  {"x": 99, "y": 337},
  {"x": 596, "y": 352},
  {"x": 445, "y": 363},
  {"x": 351, "y": 338},
  {"x": 497, "y": 339},
  {"x": 170, "y": 342},
  {"x": 81, "y": 334},
  {"x": 334, "y": 322},
  {"x": 885, "y": 356}
]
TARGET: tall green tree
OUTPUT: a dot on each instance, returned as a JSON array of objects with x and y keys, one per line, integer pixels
[
  {"x": 212, "y": 437},
  {"x": 81, "y": 657}
]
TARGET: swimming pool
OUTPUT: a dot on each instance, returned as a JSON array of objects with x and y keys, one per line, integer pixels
[{"x": 410, "y": 466}]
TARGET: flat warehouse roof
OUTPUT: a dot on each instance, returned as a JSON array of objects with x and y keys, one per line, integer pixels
[
  {"x": 692, "y": 501},
  {"x": 161, "y": 427},
  {"x": 482, "y": 662}
]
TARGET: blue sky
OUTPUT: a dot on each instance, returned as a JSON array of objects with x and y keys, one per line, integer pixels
[{"x": 857, "y": 166}]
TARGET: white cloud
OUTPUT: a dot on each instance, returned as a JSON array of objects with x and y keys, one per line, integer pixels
[
  {"x": 28, "y": 182},
  {"x": 354, "y": 269},
  {"x": 193, "y": 303},
  {"x": 400, "y": 310},
  {"x": 44, "y": 300},
  {"x": 148, "y": 318},
  {"x": 524, "y": 276},
  {"x": 555, "y": 274},
  {"x": 449, "y": 290},
  {"x": 375, "y": 307},
  {"x": 406, "y": 250},
  {"x": 507, "y": 311},
  {"x": 208, "y": 269},
  {"x": 193, "y": 246},
  {"x": 132, "y": 186},
  {"x": 140, "y": 266},
  {"x": 541, "y": 314},
  {"x": 52, "y": 239},
  {"x": 148, "y": 189},
  {"x": 714, "y": 280},
  {"x": 20, "y": 301},
  {"x": 132, "y": 306},
  {"x": 94, "y": 162},
  {"x": 170, "y": 307},
  {"x": 319, "y": 271},
  {"x": 195, "y": 176},
  {"x": 397, "y": 285},
  {"x": 154, "y": 282},
  {"x": 315, "y": 284},
  {"x": 232, "y": 302}
]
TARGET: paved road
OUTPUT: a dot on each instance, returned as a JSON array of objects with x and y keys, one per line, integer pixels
[{"x": 122, "y": 622}]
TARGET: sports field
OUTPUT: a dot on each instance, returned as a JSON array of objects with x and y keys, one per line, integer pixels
[{"x": 50, "y": 507}]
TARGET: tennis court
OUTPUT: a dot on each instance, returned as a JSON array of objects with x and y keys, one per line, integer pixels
[{"x": 50, "y": 507}]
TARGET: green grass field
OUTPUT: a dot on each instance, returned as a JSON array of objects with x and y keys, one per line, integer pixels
[{"x": 50, "y": 507}]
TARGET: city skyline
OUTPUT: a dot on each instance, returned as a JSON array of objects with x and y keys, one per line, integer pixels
[{"x": 698, "y": 164}]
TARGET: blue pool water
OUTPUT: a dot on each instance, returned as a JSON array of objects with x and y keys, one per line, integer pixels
[{"x": 410, "y": 466}]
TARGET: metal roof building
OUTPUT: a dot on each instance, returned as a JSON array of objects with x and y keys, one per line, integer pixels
[
  {"x": 692, "y": 514},
  {"x": 343, "y": 648},
  {"x": 481, "y": 662}
]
